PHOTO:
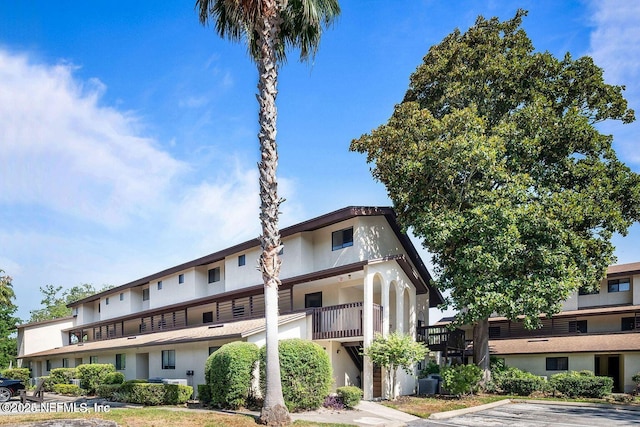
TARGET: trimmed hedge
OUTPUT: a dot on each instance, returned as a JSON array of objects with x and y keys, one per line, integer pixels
[
  {"x": 113, "y": 378},
  {"x": 204, "y": 393},
  {"x": 21, "y": 374},
  {"x": 581, "y": 384},
  {"x": 150, "y": 394},
  {"x": 305, "y": 371},
  {"x": 107, "y": 391},
  {"x": 515, "y": 381},
  {"x": 229, "y": 374},
  {"x": 69, "y": 389},
  {"x": 62, "y": 376},
  {"x": 350, "y": 395},
  {"x": 92, "y": 375}
]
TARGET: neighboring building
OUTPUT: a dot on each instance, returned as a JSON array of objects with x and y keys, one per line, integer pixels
[
  {"x": 598, "y": 331},
  {"x": 346, "y": 276}
]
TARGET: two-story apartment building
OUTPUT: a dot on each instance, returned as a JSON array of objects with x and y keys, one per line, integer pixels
[
  {"x": 597, "y": 331},
  {"x": 346, "y": 276}
]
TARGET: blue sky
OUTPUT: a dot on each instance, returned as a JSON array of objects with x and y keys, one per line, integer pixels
[{"x": 128, "y": 131}]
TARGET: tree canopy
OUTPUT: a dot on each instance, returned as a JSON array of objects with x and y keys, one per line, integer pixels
[
  {"x": 55, "y": 300},
  {"x": 8, "y": 322},
  {"x": 494, "y": 159}
]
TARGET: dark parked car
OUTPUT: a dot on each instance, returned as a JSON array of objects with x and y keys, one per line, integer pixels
[{"x": 9, "y": 388}]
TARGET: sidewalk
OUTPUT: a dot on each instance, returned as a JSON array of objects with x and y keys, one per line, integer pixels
[{"x": 365, "y": 414}]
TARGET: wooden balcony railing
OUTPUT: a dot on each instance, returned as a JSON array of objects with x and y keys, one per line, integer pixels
[
  {"x": 343, "y": 321},
  {"x": 440, "y": 338}
]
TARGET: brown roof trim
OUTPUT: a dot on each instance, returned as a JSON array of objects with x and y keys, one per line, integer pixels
[
  {"x": 309, "y": 225},
  {"x": 621, "y": 270}
]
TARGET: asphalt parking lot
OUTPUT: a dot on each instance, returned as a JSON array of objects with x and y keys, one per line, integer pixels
[{"x": 542, "y": 415}]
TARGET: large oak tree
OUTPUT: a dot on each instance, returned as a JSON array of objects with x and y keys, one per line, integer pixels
[{"x": 494, "y": 159}]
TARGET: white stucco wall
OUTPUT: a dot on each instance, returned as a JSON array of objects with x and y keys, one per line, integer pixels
[{"x": 45, "y": 336}]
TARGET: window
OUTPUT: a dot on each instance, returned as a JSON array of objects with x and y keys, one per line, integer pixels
[
  {"x": 160, "y": 285},
  {"x": 121, "y": 296},
  {"x": 342, "y": 239},
  {"x": 630, "y": 323},
  {"x": 180, "y": 278},
  {"x": 619, "y": 285},
  {"x": 98, "y": 307},
  {"x": 242, "y": 260},
  {"x": 585, "y": 291},
  {"x": 145, "y": 294},
  {"x": 313, "y": 300},
  {"x": 93, "y": 359},
  {"x": 121, "y": 362},
  {"x": 557, "y": 363},
  {"x": 579, "y": 326},
  {"x": 168, "y": 359},
  {"x": 207, "y": 317},
  {"x": 48, "y": 363},
  {"x": 494, "y": 331},
  {"x": 214, "y": 275},
  {"x": 212, "y": 350},
  {"x": 65, "y": 363},
  {"x": 106, "y": 301}
]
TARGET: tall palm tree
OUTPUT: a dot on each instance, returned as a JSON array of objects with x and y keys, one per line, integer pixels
[
  {"x": 270, "y": 27},
  {"x": 6, "y": 290}
]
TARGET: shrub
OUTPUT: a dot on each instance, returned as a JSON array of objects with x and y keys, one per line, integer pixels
[
  {"x": 48, "y": 385},
  {"x": 515, "y": 381},
  {"x": 70, "y": 389},
  {"x": 21, "y": 374},
  {"x": 229, "y": 373},
  {"x": 350, "y": 395},
  {"x": 461, "y": 379},
  {"x": 204, "y": 393},
  {"x": 108, "y": 391},
  {"x": 113, "y": 378},
  {"x": 431, "y": 368},
  {"x": 91, "y": 376},
  {"x": 306, "y": 374},
  {"x": 333, "y": 402},
  {"x": 152, "y": 394},
  {"x": 581, "y": 384},
  {"x": 62, "y": 375}
]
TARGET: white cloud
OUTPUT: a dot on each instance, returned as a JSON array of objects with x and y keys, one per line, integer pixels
[
  {"x": 64, "y": 151},
  {"x": 615, "y": 46}
]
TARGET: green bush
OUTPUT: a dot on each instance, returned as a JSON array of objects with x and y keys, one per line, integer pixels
[
  {"x": 92, "y": 375},
  {"x": 461, "y": 379},
  {"x": 515, "y": 381},
  {"x": 152, "y": 394},
  {"x": 229, "y": 373},
  {"x": 62, "y": 375},
  {"x": 175, "y": 394},
  {"x": 581, "y": 384},
  {"x": 69, "y": 389},
  {"x": 21, "y": 374},
  {"x": 431, "y": 368},
  {"x": 113, "y": 378},
  {"x": 305, "y": 371},
  {"x": 48, "y": 385},
  {"x": 204, "y": 393},
  {"x": 350, "y": 395},
  {"x": 107, "y": 391}
]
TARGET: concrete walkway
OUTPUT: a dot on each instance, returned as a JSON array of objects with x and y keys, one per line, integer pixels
[{"x": 365, "y": 414}]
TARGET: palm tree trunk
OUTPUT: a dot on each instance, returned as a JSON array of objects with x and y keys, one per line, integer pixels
[{"x": 274, "y": 411}]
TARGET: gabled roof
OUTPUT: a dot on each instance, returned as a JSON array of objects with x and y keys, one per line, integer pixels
[
  {"x": 309, "y": 225},
  {"x": 209, "y": 332}
]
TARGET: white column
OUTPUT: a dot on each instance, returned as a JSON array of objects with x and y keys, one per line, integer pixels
[
  {"x": 367, "y": 332},
  {"x": 400, "y": 308}
]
